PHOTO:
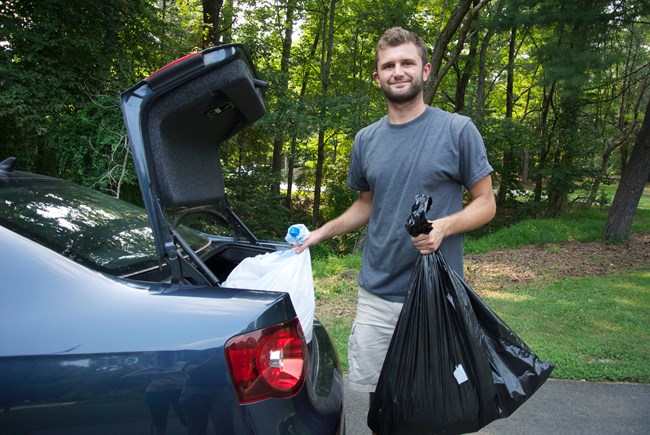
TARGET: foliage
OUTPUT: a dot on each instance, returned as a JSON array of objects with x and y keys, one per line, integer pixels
[
  {"x": 578, "y": 70},
  {"x": 61, "y": 81},
  {"x": 253, "y": 198},
  {"x": 504, "y": 137},
  {"x": 334, "y": 265}
]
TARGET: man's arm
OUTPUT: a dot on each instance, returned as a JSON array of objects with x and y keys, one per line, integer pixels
[
  {"x": 352, "y": 219},
  {"x": 478, "y": 212}
]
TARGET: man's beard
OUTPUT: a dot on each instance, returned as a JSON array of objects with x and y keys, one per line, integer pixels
[{"x": 417, "y": 85}]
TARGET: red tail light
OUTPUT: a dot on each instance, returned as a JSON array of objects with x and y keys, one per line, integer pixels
[
  {"x": 270, "y": 362},
  {"x": 172, "y": 64}
]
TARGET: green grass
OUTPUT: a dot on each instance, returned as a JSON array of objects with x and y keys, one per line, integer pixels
[
  {"x": 339, "y": 330},
  {"x": 581, "y": 226},
  {"x": 335, "y": 279},
  {"x": 609, "y": 191},
  {"x": 334, "y": 265},
  {"x": 593, "y": 328}
]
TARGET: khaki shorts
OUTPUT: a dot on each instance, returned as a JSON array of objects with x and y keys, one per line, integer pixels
[{"x": 368, "y": 344}]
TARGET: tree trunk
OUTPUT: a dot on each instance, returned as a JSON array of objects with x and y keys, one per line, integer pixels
[
  {"x": 294, "y": 139},
  {"x": 543, "y": 137},
  {"x": 507, "y": 172},
  {"x": 630, "y": 188},
  {"x": 211, "y": 22},
  {"x": 463, "y": 11},
  {"x": 481, "y": 78},
  {"x": 463, "y": 80},
  {"x": 326, "y": 56},
  {"x": 278, "y": 142}
]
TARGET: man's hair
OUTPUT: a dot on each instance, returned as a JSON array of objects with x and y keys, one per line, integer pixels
[{"x": 397, "y": 36}]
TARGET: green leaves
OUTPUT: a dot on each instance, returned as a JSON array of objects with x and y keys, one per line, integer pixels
[{"x": 578, "y": 72}]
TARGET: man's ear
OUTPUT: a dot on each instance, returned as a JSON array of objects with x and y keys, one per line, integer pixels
[
  {"x": 375, "y": 76},
  {"x": 426, "y": 71}
]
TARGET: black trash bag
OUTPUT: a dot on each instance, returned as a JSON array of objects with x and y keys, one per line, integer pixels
[
  {"x": 453, "y": 365},
  {"x": 417, "y": 222}
]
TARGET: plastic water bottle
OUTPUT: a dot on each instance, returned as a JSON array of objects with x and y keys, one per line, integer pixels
[{"x": 297, "y": 234}]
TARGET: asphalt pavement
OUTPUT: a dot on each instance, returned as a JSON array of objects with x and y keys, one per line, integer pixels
[{"x": 557, "y": 408}]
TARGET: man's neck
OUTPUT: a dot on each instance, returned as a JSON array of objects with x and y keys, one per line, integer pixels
[{"x": 401, "y": 113}]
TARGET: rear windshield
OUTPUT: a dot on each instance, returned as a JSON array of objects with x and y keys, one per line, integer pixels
[{"x": 89, "y": 227}]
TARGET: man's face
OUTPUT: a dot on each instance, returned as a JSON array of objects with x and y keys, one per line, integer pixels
[{"x": 400, "y": 73}]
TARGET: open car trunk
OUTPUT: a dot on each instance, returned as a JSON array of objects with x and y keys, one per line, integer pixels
[
  {"x": 226, "y": 255},
  {"x": 176, "y": 120}
]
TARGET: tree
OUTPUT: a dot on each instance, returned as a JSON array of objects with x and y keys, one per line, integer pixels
[
  {"x": 508, "y": 173},
  {"x": 462, "y": 17},
  {"x": 212, "y": 22},
  {"x": 326, "y": 63},
  {"x": 557, "y": 88},
  {"x": 618, "y": 106},
  {"x": 283, "y": 82},
  {"x": 60, "y": 80},
  {"x": 294, "y": 136},
  {"x": 630, "y": 188}
]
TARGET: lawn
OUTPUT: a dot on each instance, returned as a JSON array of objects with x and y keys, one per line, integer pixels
[{"x": 592, "y": 328}]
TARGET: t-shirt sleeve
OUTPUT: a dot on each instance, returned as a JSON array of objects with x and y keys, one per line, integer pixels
[
  {"x": 474, "y": 164},
  {"x": 356, "y": 177}
]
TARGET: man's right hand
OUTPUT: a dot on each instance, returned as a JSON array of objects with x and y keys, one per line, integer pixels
[
  {"x": 356, "y": 216},
  {"x": 309, "y": 241}
]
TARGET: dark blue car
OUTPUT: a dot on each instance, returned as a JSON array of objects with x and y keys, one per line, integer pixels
[{"x": 113, "y": 320}]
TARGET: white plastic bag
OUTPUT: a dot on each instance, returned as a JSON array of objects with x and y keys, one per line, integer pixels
[
  {"x": 283, "y": 271},
  {"x": 297, "y": 234}
]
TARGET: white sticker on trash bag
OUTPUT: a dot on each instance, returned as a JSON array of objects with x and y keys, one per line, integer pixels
[{"x": 460, "y": 374}]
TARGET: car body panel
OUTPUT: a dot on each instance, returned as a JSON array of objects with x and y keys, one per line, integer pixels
[
  {"x": 100, "y": 313},
  {"x": 112, "y": 339}
]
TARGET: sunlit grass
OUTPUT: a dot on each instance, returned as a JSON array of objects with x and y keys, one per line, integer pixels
[
  {"x": 595, "y": 328},
  {"x": 332, "y": 265},
  {"x": 513, "y": 297},
  {"x": 609, "y": 191}
]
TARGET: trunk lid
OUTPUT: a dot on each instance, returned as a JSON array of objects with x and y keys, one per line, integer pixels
[{"x": 176, "y": 120}]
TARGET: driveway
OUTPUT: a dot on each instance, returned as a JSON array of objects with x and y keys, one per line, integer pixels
[{"x": 558, "y": 407}]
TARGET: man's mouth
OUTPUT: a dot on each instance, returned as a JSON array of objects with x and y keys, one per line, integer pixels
[{"x": 399, "y": 82}]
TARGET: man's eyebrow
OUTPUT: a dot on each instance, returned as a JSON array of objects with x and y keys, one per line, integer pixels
[{"x": 402, "y": 60}]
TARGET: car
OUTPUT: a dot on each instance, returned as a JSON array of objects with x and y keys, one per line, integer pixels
[{"x": 114, "y": 318}]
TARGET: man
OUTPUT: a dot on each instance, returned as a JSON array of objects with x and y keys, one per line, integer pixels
[{"x": 415, "y": 149}]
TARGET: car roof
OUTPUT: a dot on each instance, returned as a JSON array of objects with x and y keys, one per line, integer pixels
[
  {"x": 95, "y": 229},
  {"x": 7, "y": 172}
]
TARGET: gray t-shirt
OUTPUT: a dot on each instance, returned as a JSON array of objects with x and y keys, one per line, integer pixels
[{"x": 436, "y": 154}]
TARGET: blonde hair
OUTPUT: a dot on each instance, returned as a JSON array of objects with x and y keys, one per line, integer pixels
[{"x": 397, "y": 36}]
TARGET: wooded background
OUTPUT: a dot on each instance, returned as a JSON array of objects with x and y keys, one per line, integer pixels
[{"x": 558, "y": 88}]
